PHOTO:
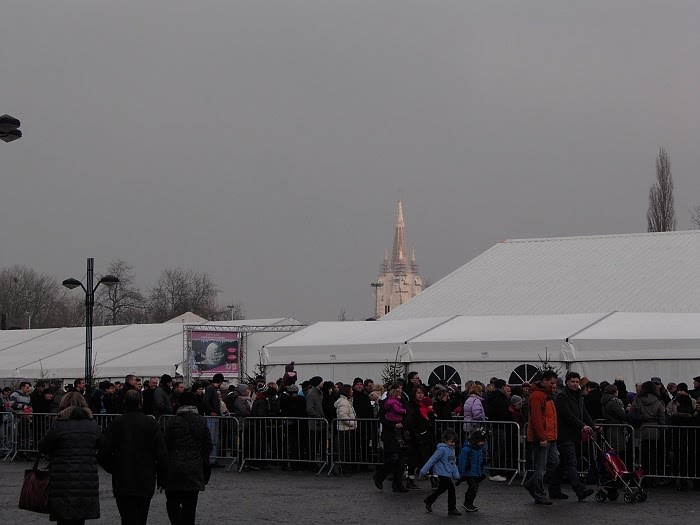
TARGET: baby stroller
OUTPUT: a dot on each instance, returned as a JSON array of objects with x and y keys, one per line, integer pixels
[{"x": 613, "y": 475}]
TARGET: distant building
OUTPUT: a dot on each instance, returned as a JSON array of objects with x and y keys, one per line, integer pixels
[{"x": 398, "y": 281}]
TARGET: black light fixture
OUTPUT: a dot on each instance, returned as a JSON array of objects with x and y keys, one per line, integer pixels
[{"x": 89, "y": 289}]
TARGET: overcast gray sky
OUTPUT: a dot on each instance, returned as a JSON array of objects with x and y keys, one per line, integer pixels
[{"x": 267, "y": 142}]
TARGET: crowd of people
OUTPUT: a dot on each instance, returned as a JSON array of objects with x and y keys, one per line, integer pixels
[{"x": 142, "y": 454}]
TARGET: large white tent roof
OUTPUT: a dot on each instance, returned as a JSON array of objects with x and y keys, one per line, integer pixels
[
  {"x": 646, "y": 272},
  {"x": 347, "y": 342},
  {"x": 148, "y": 349},
  {"x": 499, "y": 338}
]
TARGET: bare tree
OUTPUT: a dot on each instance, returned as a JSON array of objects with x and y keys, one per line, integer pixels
[
  {"x": 122, "y": 303},
  {"x": 25, "y": 293},
  {"x": 178, "y": 291},
  {"x": 661, "y": 215},
  {"x": 343, "y": 315},
  {"x": 695, "y": 217}
]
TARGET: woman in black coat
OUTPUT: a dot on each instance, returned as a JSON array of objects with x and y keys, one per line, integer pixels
[
  {"x": 189, "y": 444},
  {"x": 72, "y": 444}
]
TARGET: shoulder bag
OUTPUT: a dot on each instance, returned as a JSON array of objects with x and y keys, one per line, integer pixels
[{"x": 35, "y": 489}]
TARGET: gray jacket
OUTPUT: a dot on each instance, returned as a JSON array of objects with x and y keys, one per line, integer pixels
[{"x": 314, "y": 407}]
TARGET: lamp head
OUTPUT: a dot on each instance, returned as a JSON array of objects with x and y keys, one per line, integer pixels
[
  {"x": 109, "y": 280},
  {"x": 71, "y": 283}
]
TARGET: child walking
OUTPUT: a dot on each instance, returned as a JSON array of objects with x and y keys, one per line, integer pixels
[
  {"x": 472, "y": 467},
  {"x": 444, "y": 465}
]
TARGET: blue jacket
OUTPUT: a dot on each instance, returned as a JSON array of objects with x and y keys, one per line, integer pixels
[
  {"x": 443, "y": 463},
  {"x": 472, "y": 460}
]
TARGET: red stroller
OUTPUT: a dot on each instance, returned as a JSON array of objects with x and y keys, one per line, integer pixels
[{"x": 613, "y": 475}]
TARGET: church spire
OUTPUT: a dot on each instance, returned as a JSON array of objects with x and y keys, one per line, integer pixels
[{"x": 399, "y": 257}]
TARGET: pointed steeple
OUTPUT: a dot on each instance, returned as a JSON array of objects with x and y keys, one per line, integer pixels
[
  {"x": 399, "y": 257},
  {"x": 384, "y": 268},
  {"x": 414, "y": 264}
]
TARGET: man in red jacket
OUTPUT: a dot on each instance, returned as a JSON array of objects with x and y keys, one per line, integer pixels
[{"x": 542, "y": 433}]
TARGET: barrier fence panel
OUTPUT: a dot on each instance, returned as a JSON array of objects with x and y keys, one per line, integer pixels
[
  {"x": 29, "y": 429},
  {"x": 503, "y": 439},
  {"x": 8, "y": 437},
  {"x": 669, "y": 451},
  {"x": 355, "y": 442},
  {"x": 284, "y": 440}
]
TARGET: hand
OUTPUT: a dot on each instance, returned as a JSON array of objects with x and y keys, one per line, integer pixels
[
  {"x": 544, "y": 443},
  {"x": 399, "y": 425},
  {"x": 587, "y": 429}
]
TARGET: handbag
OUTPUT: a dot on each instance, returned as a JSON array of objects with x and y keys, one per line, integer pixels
[{"x": 35, "y": 489}]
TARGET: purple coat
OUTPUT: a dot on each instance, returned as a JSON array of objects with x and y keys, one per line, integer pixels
[{"x": 473, "y": 412}]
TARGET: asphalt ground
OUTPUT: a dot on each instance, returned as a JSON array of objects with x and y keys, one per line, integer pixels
[{"x": 275, "y": 496}]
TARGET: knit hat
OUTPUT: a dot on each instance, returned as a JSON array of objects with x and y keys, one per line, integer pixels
[
  {"x": 357, "y": 380},
  {"x": 241, "y": 389},
  {"x": 292, "y": 389},
  {"x": 527, "y": 385},
  {"x": 316, "y": 380},
  {"x": 262, "y": 388},
  {"x": 682, "y": 387},
  {"x": 515, "y": 400},
  {"x": 165, "y": 379}
]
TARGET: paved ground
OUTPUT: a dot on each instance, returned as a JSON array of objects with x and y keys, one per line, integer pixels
[{"x": 275, "y": 496}]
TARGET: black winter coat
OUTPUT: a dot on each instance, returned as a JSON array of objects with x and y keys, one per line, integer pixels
[
  {"x": 134, "y": 453},
  {"x": 571, "y": 415},
  {"x": 496, "y": 407},
  {"x": 362, "y": 405},
  {"x": 593, "y": 403},
  {"x": 189, "y": 444},
  {"x": 72, "y": 444}
]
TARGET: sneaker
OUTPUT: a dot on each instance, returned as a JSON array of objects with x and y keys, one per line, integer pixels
[
  {"x": 454, "y": 512},
  {"x": 378, "y": 483},
  {"x": 583, "y": 495},
  {"x": 543, "y": 501},
  {"x": 497, "y": 478},
  {"x": 559, "y": 495},
  {"x": 470, "y": 508},
  {"x": 428, "y": 506}
]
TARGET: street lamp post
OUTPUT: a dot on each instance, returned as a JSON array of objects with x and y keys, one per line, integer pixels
[
  {"x": 9, "y": 128},
  {"x": 89, "y": 289}
]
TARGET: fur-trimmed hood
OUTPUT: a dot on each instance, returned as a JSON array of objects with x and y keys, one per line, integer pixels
[{"x": 75, "y": 413}]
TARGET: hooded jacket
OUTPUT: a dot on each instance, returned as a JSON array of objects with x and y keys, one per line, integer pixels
[
  {"x": 651, "y": 412},
  {"x": 472, "y": 460},
  {"x": 345, "y": 414},
  {"x": 473, "y": 411},
  {"x": 443, "y": 462},
  {"x": 542, "y": 416},
  {"x": 72, "y": 444}
]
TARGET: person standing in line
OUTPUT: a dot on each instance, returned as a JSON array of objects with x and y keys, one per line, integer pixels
[
  {"x": 188, "y": 442},
  {"x": 72, "y": 444},
  {"x": 542, "y": 433},
  {"x": 135, "y": 454},
  {"x": 162, "y": 397},
  {"x": 212, "y": 408}
]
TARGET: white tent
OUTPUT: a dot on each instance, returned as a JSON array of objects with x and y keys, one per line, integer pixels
[
  {"x": 342, "y": 350},
  {"x": 602, "y": 346},
  {"x": 146, "y": 349},
  {"x": 638, "y": 346}
]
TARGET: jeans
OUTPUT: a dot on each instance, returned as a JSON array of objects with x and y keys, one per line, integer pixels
[
  {"x": 567, "y": 451},
  {"x": 213, "y": 425},
  {"x": 544, "y": 457}
]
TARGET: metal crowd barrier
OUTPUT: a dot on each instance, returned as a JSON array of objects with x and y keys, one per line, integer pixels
[
  {"x": 504, "y": 444},
  {"x": 284, "y": 440},
  {"x": 355, "y": 442},
  {"x": 8, "y": 436},
  {"x": 669, "y": 451}
]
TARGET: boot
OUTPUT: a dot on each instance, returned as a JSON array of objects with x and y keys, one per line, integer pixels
[{"x": 411, "y": 484}]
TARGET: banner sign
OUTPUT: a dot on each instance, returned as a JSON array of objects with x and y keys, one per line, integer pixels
[{"x": 213, "y": 352}]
